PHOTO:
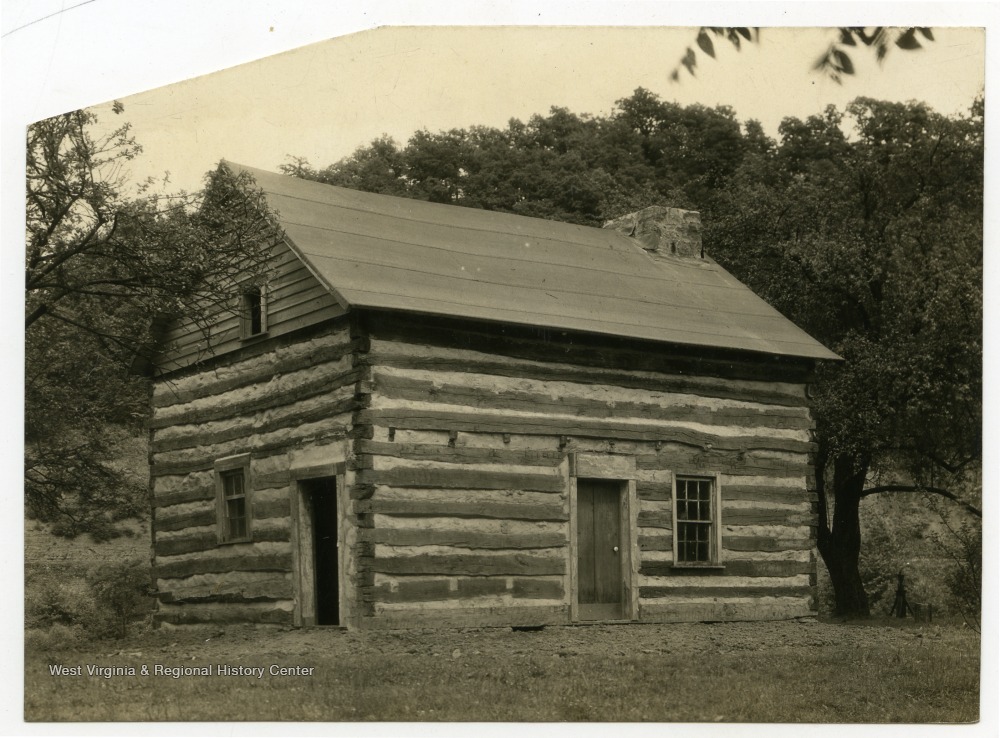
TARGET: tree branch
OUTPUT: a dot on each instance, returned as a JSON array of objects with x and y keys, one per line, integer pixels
[{"x": 885, "y": 488}]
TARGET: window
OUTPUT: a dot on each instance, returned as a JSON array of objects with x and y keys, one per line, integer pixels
[
  {"x": 697, "y": 530},
  {"x": 233, "y": 505},
  {"x": 253, "y": 311}
]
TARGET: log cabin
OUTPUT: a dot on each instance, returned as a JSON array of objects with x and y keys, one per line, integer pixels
[{"x": 436, "y": 416}]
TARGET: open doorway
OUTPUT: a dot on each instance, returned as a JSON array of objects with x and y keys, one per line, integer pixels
[{"x": 320, "y": 498}]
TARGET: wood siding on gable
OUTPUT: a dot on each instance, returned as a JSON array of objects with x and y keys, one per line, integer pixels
[{"x": 295, "y": 299}]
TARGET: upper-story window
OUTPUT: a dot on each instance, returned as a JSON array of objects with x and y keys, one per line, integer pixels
[{"x": 253, "y": 321}]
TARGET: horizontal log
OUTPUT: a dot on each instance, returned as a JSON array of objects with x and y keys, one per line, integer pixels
[
  {"x": 215, "y": 565},
  {"x": 781, "y": 495},
  {"x": 736, "y": 567},
  {"x": 499, "y": 510},
  {"x": 467, "y": 539},
  {"x": 678, "y": 611},
  {"x": 191, "y": 494},
  {"x": 475, "y": 421},
  {"x": 648, "y": 593},
  {"x": 187, "y": 520},
  {"x": 724, "y": 462},
  {"x": 481, "y": 587},
  {"x": 262, "y": 373},
  {"x": 424, "y": 590},
  {"x": 458, "y": 564},
  {"x": 311, "y": 388},
  {"x": 436, "y": 590},
  {"x": 425, "y": 390},
  {"x": 415, "y": 477},
  {"x": 277, "y": 588},
  {"x": 655, "y": 491},
  {"x": 539, "y": 589},
  {"x": 187, "y": 544},
  {"x": 468, "y": 617},
  {"x": 656, "y": 519},
  {"x": 460, "y": 454},
  {"x": 222, "y": 613},
  {"x": 251, "y": 428},
  {"x": 179, "y": 468},
  {"x": 582, "y": 349},
  {"x": 280, "y": 508},
  {"x": 765, "y": 516},
  {"x": 649, "y": 542},
  {"x": 766, "y": 544}
]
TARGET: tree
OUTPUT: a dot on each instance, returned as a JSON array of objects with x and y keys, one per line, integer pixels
[
  {"x": 875, "y": 247},
  {"x": 103, "y": 270}
]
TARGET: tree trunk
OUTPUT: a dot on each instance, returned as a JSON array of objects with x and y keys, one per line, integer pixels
[{"x": 840, "y": 544}]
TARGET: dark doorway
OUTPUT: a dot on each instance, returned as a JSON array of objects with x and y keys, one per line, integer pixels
[
  {"x": 599, "y": 556},
  {"x": 322, "y": 496}
]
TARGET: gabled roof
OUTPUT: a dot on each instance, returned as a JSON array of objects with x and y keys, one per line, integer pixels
[{"x": 376, "y": 251}]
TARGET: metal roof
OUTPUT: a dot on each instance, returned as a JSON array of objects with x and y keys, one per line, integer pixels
[{"x": 376, "y": 251}]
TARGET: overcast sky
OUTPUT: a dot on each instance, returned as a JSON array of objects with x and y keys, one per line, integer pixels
[{"x": 324, "y": 100}]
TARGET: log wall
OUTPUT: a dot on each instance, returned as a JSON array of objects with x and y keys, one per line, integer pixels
[
  {"x": 463, "y": 481},
  {"x": 457, "y": 446},
  {"x": 289, "y": 405}
]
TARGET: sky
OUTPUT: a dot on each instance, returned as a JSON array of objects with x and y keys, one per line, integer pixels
[
  {"x": 336, "y": 75},
  {"x": 324, "y": 100}
]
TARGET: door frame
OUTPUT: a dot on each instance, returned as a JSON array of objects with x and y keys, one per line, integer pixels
[
  {"x": 303, "y": 554},
  {"x": 619, "y": 468}
]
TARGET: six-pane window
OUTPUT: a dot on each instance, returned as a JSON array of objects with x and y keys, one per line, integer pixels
[
  {"x": 695, "y": 521},
  {"x": 234, "y": 498}
]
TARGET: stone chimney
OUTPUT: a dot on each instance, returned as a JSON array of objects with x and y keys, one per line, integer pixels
[{"x": 663, "y": 231}]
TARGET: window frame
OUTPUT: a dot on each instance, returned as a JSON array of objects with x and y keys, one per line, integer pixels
[
  {"x": 714, "y": 560},
  {"x": 250, "y": 292},
  {"x": 226, "y": 468}
]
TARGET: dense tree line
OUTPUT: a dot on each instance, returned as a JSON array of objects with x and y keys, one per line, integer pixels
[{"x": 863, "y": 226}]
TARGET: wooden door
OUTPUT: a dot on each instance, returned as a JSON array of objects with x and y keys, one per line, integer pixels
[
  {"x": 326, "y": 559},
  {"x": 599, "y": 549}
]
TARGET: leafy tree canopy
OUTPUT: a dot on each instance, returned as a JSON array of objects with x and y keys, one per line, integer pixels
[{"x": 103, "y": 271}]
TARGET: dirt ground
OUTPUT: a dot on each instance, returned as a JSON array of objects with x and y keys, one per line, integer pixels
[{"x": 244, "y": 643}]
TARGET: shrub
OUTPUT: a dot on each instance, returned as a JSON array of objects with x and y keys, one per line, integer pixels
[
  {"x": 53, "y": 638},
  {"x": 121, "y": 595},
  {"x": 962, "y": 545},
  {"x": 51, "y": 601}
]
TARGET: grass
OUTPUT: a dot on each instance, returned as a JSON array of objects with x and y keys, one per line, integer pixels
[{"x": 830, "y": 674}]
